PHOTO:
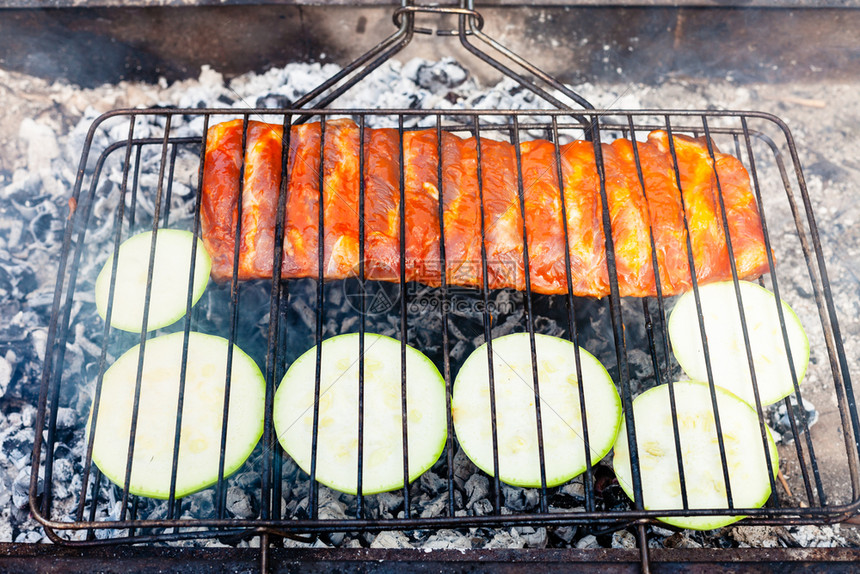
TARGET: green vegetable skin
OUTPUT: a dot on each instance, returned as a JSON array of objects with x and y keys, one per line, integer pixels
[
  {"x": 337, "y": 446},
  {"x": 703, "y": 471},
  {"x": 202, "y": 411},
  {"x": 169, "y": 292},
  {"x": 728, "y": 358},
  {"x": 561, "y": 416}
]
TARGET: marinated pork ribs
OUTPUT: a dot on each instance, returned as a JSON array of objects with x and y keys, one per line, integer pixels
[{"x": 643, "y": 203}]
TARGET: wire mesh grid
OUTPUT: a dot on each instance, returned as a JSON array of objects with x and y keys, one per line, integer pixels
[{"x": 140, "y": 171}]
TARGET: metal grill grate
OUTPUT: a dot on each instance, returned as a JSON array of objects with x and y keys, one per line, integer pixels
[
  {"x": 762, "y": 155},
  {"x": 270, "y": 320}
]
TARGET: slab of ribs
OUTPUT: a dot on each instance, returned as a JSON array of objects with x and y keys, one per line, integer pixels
[{"x": 670, "y": 196}]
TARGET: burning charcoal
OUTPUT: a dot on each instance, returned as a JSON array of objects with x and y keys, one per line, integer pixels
[
  {"x": 681, "y": 540},
  {"x": 588, "y": 541},
  {"x": 30, "y": 537},
  {"x": 575, "y": 489},
  {"x": 21, "y": 488},
  {"x": 67, "y": 419},
  {"x": 811, "y": 536},
  {"x": 435, "y": 507},
  {"x": 520, "y": 499},
  {"x": 533, "y": 537},
  {"x": 62, "y": 482},
  {"x": 306, "y": 314},
  {"x": 759, "y": 536},
  {"x": 548, "y": 326},
  {"x": 463, "y": 468},
  {"x": 432, "y": 483},
  {"x": 623, "y": 539},
  {"x": 389, "y": 503},
  {"x": 482, "y": 507},
  {"x": 660, "y": 531},
  {"x": 273, "y": 101},
  {"x": 330, "y": 506},
  {"x": 6, "y": 371},
  {"x": 564, "y": 533},
  {"x": 460, "y": 351},
  {"x": 45, "y": 227},
  {"x": 447, "y": 540},
  {"x": 506, "y": 539},
  {"x": 476, "y": 487},
  {"x": 17, "y": 447},
  {"x": 239, "y": 503},
  {"x": 440, "y": 76},
  {"x": 781, "y": 423},
  {"x": 389, "y": 539}
]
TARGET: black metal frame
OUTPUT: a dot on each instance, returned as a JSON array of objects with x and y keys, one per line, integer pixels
[{"x": 756, "y": 138}]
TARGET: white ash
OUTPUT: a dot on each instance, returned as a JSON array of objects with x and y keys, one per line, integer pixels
[{"x": 37, "y": 170}]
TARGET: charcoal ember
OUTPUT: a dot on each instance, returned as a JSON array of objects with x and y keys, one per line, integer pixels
[
  {"x": 520, "y": 499},
  {"x": 17, "y": 445},
  {"x": 623, "y": 539},
  {"x": 560, "y": 502},
  {"x": 6, "y": 370},
  {"x": 432, "y": 483},
  {"x": 482, "y": 507},
  {"x": 780, "y": 419},
  {"x": 21, "y": 488},
  {"x": 460, "y": 351},
  {"x": 46, "y": 227},
  {"x": 17, "y": 279},
  {"x": 813, "y": 536},
  {"x": 199, "y": 505},
  {"x": 681, "y": 540},
  {"x": 331, "y": 507},
  {"x": 608, "y": 493},
  {"x": 574, "y": 490},
  {"x": 387, "y": 505},
  {"x": 441, "y": 76},
  {"x": 759, "y": 536},
  {"x": 11, "y": 231},
  {"x": 660, "y": 531},
  {"x": 548, "y": 326},
  {"x": 239, "y": 503},
  {"x": 506, "y": 539},
  {"x": 29, "y": 537},
  {"x": 273, "y": 101},
  {"x": 562, "y": 535},
  {"x": 391, "y": 539},
  {"x": 25, "y": 360},
  {"x": 436, "y": 506},
  {"x": 477, "y": 487},
  {"x": 463, "y": 468},
  {"x": 63, "y": 483},
  {"x": 588, "y": 541},
  {"x": 533, "y": 537},
  {"x": 447, "y": 540}
]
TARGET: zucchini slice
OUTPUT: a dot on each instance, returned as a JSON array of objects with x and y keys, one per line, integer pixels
[
  {"x": 516, "y": 423},
  {"x": 202, "y": 411},
  {"x": 729, "y": 363},
  {"x": 703, "y": 470},
  {"x": 337, "y": 436},
  {"x": 169, "y": 293}
]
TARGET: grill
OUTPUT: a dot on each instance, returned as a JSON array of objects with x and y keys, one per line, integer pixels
[{"x": 155, "y": 166}]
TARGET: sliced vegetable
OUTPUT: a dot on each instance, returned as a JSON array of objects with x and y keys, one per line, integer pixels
[
  {"x": 728, "y": 357},
  {"x": 703, "y": 471},
  {"x": 516, "y": 423},
  {"x": 202, "y": 412},
  {"x": 337, "y": 437},
  {"x": 169, "y": 292}
]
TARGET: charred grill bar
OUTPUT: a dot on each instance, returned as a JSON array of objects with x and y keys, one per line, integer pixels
[{"x": 762, "y": 142}]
